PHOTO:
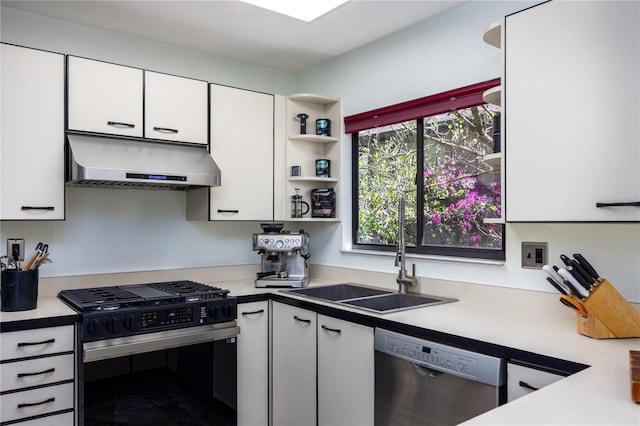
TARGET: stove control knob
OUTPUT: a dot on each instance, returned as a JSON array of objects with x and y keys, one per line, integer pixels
[
  {"x": 111, "y": 324},
  {"x": 92, "y": 326},
  {"x": 226, "y": 310},
  {"x": 213, "y": 311},
  {"x": 128, "y": 322}
]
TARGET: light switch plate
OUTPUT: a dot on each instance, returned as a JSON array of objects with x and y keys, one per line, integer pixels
[
  {"x": 11, "y": 242},
  {"x": 534, "y": 255}
]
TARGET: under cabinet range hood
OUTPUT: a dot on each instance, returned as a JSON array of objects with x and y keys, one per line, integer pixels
[{"x": 99, "y": 161}]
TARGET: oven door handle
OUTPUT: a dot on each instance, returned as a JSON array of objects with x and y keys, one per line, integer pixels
[{"x": 129, "y": 345}]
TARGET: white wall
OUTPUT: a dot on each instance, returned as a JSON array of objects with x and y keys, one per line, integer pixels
[
  {"x": 110, "y": 230},
  {"x": 446, "y": 53}
]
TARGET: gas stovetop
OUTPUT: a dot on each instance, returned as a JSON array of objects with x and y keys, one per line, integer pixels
[
  {"x": 109, "y": 312},
  {"x": 128, "y": 296}
]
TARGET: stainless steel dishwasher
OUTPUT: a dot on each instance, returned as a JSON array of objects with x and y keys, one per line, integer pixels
[{"x": 418, "y": 382}]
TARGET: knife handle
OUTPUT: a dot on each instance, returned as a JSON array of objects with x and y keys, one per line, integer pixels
[
  {"x": 574, "y": 285},
  {"x": 557, "y": 286},
  {"x": 587, "y": 266},
  {"x": 586, "y": 276},
  {"x": 575, "y": 305}
]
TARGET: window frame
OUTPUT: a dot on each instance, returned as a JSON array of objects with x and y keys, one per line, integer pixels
[{"x": 465, "y": 97}]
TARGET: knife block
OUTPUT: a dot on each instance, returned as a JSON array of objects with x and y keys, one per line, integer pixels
[{"x": 610, "y": 316}]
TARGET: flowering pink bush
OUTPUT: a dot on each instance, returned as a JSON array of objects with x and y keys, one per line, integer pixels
[{"x": 456, "y": 204}]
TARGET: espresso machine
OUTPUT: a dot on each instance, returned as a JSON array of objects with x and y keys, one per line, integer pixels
[{"x": 284, "y": 257}]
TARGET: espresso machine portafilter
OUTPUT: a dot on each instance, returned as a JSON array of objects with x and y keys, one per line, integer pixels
[{"x": 283, "y": 257}]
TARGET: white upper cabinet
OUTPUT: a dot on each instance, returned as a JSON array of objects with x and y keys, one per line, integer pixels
[
  {"x": 572, "y": 101},
  {"x": 125, "y": 101},
  {"x": 175, "y": 108},
  {"x": 104, "y": 98},
  {"x": 31, "y": 134},
  {"x": 242, "y": 145}
]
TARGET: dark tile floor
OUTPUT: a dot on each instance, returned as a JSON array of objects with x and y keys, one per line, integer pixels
[{"x": 151, "y": 398}]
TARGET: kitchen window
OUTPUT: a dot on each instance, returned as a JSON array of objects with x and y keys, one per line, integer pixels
[{"x": 433, "y": 151}]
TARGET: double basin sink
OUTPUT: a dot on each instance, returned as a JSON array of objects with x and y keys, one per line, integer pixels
[{"x": 369, "y": 298}]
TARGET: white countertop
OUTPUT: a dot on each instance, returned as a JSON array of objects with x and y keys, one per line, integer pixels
[{"x": 599, "y": 395}]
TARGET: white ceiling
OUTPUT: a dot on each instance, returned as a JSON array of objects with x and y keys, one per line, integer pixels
[{"x": 237, "y": 30}]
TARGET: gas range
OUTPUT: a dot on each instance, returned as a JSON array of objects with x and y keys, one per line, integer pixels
[{"x": 117, "y": 311}]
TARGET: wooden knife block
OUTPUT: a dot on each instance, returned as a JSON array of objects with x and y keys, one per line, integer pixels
[{"x": 610, "y": 316}]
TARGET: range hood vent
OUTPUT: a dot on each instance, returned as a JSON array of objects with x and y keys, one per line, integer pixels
[{"x": 100, "y": 161}]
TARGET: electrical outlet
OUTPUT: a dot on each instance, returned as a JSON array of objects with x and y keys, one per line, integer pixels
[
  {"x": 15, "y": 242},
  {"x": 534, "y": 255}
]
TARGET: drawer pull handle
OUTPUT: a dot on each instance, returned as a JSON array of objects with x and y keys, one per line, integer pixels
[
  {"x": 630, "y": 204},
  {"x": 50, "y": 370},
  {"x": 44, "y": 342},
  {"x": 121, "y": 124},
  {"x": 333, "y": 330},
  {"x": 165, "y": 130},
  {"x": 228, "y": 211},
  {"x": 33, "y": 404},
  {"x": 253, "y": 312},
  {"x": 50, "y": 208},
  {"x": 297, "y": 318},
  {"x": 527, "y": 386}
]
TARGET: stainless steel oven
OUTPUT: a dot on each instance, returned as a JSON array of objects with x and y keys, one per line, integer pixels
[
  {"x": 427, "y": 383},
  {"x": 158, "y": 353}
]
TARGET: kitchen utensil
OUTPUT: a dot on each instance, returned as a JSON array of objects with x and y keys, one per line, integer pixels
[
  {"x": 574, "y": 304},
  {"x": 555, "y": 277},
  {"x": 557, "y": 286},
  {"x": 297, "y": 205},
  {"x": 575, "y": 285},
  {"x": 587, "y": 266}
]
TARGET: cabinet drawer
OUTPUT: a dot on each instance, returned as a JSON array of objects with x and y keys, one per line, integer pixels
[
  {"x": 40, "y": 341},
  {"x": 522, "y": 380},
  {"x": 66, "y": 419},
  {"x": 36, "y": 372},
  {"x": 36, "y": 402}
]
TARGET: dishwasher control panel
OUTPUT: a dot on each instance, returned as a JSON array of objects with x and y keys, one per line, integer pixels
[{"x": 447, "y": 359}]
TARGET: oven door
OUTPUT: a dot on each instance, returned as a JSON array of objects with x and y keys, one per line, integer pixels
[{"x": 183, "y": 376}]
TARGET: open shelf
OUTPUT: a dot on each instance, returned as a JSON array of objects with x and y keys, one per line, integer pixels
[
  {"x": 493, "y": 96},
  {"x": 493, "y": 35},
  {"x": 313, "y": 138}
]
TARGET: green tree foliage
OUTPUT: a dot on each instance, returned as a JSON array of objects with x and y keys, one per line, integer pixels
[{"x": 460, "y": 189}]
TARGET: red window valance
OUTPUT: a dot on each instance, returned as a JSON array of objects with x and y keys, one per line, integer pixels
[{"x": 451, "y": 100}]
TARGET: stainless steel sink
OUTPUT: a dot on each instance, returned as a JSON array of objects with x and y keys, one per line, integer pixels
[
  {"x": 339, "y": 292},
  {"x": 398, "y": 302},
  {"x": 369, "y": 298}
]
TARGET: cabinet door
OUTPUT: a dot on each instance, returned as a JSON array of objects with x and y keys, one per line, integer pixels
[
  {"x": 31, "y": 134},
  {"x": 104, "y": 98},
  {"x": 294, "y": 366},
  {"x": 522, "y": 380},
  {"x": 175, "y": 108},
  {"x": 572, "y": 106},
  {"x": 253, "y": 364},
  {"x": 345, "y": 373},
  {"x": 242, "y": 146}
]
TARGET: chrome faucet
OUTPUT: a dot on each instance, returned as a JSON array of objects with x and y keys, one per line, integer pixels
[{"x": 404, "y": 279}]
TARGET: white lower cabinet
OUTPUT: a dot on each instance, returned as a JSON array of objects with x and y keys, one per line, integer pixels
[
  {"x": 253, "y": 364},
  {"x": 294, "y": 366},
  {"x": 38, "y": 373},
  {"x": 323, "y": 369},
  {"x": 523, "y": 380},
  {"x": 345, "y": 373}
]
